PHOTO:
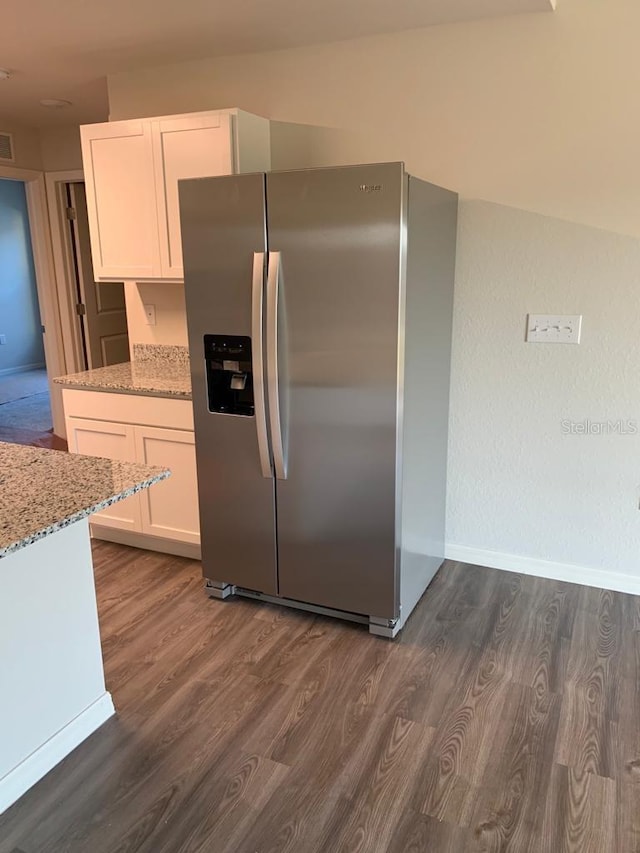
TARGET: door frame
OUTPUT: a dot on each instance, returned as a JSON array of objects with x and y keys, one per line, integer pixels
[
  {"x": 46, "y": 284},
  {"x": 64, "y": 267}
]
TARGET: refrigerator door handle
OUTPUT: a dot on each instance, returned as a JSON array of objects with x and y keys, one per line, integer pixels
[
  {"x": 274, "y": 368},
  {"x": 257, "y": 291}
]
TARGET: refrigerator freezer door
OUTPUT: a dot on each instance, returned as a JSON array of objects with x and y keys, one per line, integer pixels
[
  {"x": 339, "y": 233},
  {"x": 223, "y": 227}
]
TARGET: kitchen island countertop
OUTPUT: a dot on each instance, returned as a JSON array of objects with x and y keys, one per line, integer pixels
[
  {"x": 43, "y": 491},
  {"x": 53, "y": 687}
]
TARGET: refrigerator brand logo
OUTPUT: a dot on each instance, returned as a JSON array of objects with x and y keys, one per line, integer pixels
[{"x": 370, "y": 188}]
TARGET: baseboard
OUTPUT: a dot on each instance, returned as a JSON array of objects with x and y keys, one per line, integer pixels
[
  {"x": 18, "y": 781},
  {"x": 148, "y": 543},
  {"x": 569, "y": 572},
  {"x": 23, "y": 369}
]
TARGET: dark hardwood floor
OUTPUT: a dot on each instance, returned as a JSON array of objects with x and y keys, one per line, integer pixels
[
  {"x": 505, "y": 718},
  {"x": 49, "y": 440}
]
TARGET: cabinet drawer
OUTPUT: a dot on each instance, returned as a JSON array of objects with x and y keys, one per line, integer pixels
[{"x": 128, "y": 408}]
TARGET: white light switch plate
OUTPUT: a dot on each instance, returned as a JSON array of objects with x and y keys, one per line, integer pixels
[{"x": 554, "y": 328}]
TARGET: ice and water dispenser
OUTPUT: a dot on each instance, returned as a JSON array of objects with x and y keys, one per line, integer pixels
[{"x": 229, "y": 376}]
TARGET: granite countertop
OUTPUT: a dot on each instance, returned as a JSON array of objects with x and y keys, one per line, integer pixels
[
  {"x": 42, "y": 491},
  {"x": 157, "y": 370}
]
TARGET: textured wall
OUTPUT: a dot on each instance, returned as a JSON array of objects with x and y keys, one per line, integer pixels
[
  {"x": 534, "y": 111},
  {"x": 517, "y": 484},
  {"x": 60, "y": 148},
  {"x": 171, "y": 319},
  {"x": 26, "y": 146}
]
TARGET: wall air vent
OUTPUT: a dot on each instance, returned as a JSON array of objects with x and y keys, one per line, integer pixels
[{"x": 6, "y": 148}]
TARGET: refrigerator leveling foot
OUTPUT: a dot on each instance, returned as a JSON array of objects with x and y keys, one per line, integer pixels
[
  {"x": 216, "y": 589},
  {"x": 388, "y": 628}
]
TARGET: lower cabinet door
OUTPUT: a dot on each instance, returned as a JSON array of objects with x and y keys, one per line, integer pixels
[
  {"x": 112, "y": 441},
  {"x": 170, "y": 508}
]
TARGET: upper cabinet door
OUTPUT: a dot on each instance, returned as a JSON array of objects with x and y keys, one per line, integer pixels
[
  {"x": 121, "y": 199},
  {"x": 189, "y": 147}
]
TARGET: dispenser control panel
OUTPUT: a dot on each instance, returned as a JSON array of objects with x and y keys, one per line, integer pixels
[{"x": 229, "y": 374}]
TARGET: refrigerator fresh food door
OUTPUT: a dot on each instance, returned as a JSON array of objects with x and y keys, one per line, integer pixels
[
  {"x": 224, "y": 248},
  {"x": 335, "y": 256}
]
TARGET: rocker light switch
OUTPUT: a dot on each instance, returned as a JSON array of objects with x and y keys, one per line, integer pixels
[{"x": 554, "y": 328}]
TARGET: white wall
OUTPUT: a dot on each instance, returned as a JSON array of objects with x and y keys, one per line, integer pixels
[
  {"x": 517, "y": 483},
  {"x": 60, "y": 148},
  {"x": 171, "y": 321},
  {"x": 26, "y": 146},
  {"x": 537, "y": 113},
  {"x": 53, "y": 691},
  {"x": 49, "y": 149}
]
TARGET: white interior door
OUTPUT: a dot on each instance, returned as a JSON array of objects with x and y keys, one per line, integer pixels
[
  {"x": 192, "y": 147},
  {"x": 103, "y": 313},
  {"x": 170, "y": 508},
  {"x": 121, "y": 197},
  {"x": 112, "y": 441}
]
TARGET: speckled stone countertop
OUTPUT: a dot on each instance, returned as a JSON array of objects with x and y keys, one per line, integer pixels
[
  {"x": 157, "y": 370},
  {"x": 42, "y": 491}
]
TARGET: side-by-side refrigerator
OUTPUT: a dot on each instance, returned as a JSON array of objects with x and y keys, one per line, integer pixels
[{"x": 319, "y": 307}]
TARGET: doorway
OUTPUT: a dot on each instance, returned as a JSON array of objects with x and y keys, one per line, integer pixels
[
  {"x": 25, "y": 404},
  {"x": 100, "y": 306},
  {"x": 93, "y": 314}
]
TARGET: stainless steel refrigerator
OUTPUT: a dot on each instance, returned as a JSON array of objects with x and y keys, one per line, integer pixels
[{"x": 319, "y": 308}]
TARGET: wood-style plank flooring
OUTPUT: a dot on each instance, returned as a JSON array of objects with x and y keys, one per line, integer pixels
[{"x": 505, "y": 718}]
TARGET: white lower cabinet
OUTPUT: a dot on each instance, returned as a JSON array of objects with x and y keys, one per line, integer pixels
[
  {"x": 166, "y": 513},
  {"x": 113, "y": 441},
  {"x": 170, "y": 509}
]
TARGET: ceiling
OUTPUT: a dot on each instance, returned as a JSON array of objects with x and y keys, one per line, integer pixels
[{"x": 65, "y": 49}]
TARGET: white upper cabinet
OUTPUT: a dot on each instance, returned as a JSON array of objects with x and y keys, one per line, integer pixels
[
  {"x": 185, "y": 148},
  {"x": 132, "y": 169},
  {"x": 121, "y": 200}
]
